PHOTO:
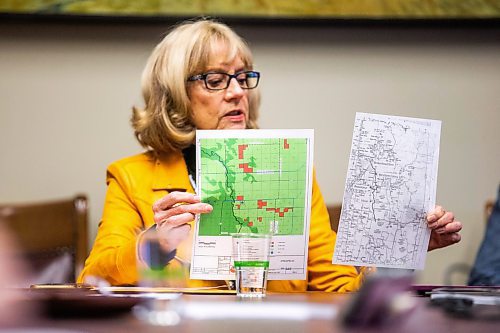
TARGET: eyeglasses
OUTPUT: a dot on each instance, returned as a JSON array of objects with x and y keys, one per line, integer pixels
[{"x": 220, "y": 81}]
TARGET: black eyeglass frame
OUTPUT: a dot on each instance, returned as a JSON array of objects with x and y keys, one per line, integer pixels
[{"x": 203, "y": 77}]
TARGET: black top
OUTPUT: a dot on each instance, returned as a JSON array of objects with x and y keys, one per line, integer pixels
[{"x": 190, "y": 158}]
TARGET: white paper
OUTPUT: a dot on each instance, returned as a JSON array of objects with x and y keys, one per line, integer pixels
[
  {"x": 290, "y": 311},
  {"x": 257, "y": 181},
  {"x": 390, "y": 187}
]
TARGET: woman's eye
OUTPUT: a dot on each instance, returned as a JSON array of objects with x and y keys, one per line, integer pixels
[{"x": 215, "y": 82}]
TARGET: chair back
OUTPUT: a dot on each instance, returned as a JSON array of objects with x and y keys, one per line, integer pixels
[
  {"x": 334, "y": 212},
  {"x": 488, "y": 208},
  {"x": 52, "y": 236}
]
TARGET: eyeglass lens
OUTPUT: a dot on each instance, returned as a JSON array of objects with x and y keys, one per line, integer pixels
[{"x": 218, "y": 81}]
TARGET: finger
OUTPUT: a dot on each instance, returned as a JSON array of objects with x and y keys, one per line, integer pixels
[
  {"x": 449, "y": 228},
  {"x": 174, "y": 198},
  {"x": 435, "y": 214},
  {"x": 177, "y": 220},
  {"x": 448, "y": 239},
  {"x": 171, "y": 229},
  {"x": 440, "y": 241},
  {"x": 448, "y": 217},
  {"x": 198, "y": 208}
]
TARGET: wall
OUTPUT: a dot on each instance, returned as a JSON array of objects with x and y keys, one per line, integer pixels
[{"x": 66, "y": 91}]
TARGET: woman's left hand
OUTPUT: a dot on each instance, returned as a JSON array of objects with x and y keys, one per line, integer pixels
[{"x": 444, "y": 228}]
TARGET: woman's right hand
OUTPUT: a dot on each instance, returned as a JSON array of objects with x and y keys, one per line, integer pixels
[{"x": 172, "y": 215}]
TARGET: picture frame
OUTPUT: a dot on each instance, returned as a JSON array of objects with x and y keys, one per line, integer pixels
[{"x": 267, "y": 10}]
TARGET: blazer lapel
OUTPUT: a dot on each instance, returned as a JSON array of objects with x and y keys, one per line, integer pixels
[{"x": 170, "y": 174}]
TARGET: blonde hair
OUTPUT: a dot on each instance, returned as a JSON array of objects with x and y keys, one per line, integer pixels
[{"x": 165, "y": 124}]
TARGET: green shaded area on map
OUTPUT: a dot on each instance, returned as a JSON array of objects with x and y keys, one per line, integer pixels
[{"x": 254, "y": 185}]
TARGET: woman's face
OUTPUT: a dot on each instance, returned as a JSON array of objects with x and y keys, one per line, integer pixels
[{"x": 220, "y": 109}]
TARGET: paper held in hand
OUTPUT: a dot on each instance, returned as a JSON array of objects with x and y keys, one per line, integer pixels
[
  {"x": 258, "y": 182},
  {"x": 390, "y": 187}
]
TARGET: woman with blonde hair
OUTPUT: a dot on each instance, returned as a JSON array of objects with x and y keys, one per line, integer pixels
[{"x": 188, "y": 84}]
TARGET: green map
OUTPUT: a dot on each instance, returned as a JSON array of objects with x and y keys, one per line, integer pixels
[{"x": 254, "y": 185}]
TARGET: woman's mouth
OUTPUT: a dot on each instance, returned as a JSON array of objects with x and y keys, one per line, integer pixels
[{"x": 235, "y": 116}]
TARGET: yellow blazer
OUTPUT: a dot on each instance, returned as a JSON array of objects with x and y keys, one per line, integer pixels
[{"x": 136, "y": 182}]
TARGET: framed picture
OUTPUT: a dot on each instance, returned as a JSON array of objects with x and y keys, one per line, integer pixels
[{"x": 260, "y": 9}]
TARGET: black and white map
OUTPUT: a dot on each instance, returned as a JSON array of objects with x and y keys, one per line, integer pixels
[{"x": 390, "y": 186}]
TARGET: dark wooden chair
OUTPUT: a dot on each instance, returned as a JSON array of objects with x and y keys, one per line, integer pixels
[
  {"x": 52, "y": 236},
  {"x": 488, "y": 208},
  {"x": 334, "y": 212}
]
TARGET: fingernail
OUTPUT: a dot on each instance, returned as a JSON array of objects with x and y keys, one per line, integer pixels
[
  {"x": 433, "y": 225},
  {"x": 196, "y": 197},
  {"x": 440, "y": 231},
  {"x": 431, "y": 217}
]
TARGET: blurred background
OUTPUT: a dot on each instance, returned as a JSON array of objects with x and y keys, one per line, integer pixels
[{"x": 67, "y": 88}]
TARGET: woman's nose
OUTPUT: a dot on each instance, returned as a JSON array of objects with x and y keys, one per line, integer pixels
[{"x": 234, "y": 89}]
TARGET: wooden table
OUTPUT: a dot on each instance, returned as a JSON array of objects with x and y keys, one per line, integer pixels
[{"x": 423, "y": 319}]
